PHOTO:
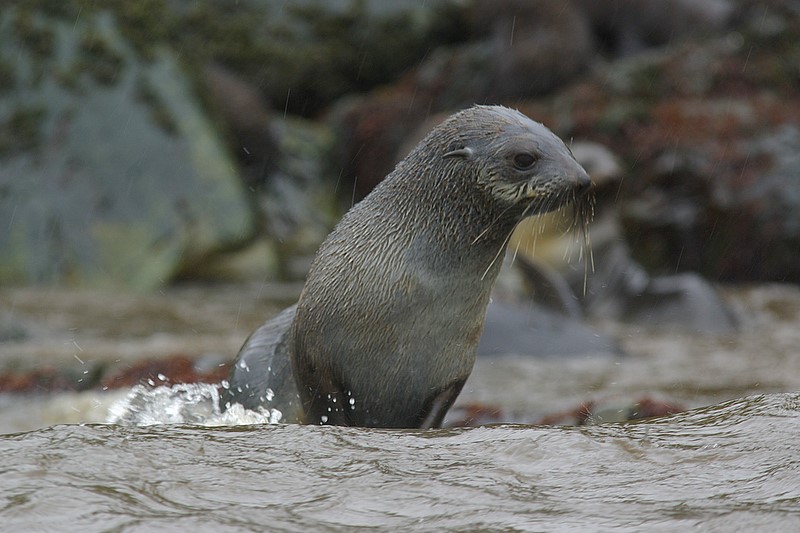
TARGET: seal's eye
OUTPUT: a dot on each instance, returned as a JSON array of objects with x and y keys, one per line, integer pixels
[{"x": 524, "y": 161}]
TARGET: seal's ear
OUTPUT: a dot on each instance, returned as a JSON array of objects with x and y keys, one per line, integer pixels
[{"x": 463, "y": 153}]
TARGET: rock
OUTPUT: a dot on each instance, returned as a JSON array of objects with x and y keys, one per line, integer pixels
[
  {"x": 303, "y": 55},
  {"x": 603, "y": 410},
  {"x": 739, "y": 224},
  {"x": 168, "y": 370},
  {"x": 613, "y": 409},
  {"x": 519, "y": 49},
  {"x": 627, "y": 27},
  {"x": 298, "y": 200},
  {"x": 110, "y": 172},
  {"x": 617, "y": 287},
  {"x": 529, "y": 329},
  {"x": 13, "y": 329},
  {"x": 600, "y": 162},
  {"x": 240, "y": 107},
  {"x": 706, "y": 131},
  {"x": 295, "y": 197},
  {"x": 533, "y": 312},
  {"x": 371, "y": 132},
  {"x": 683, "y": 301}
]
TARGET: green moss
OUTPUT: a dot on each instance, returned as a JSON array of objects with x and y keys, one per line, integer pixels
[
  {"x": 617, "y": 115},
  {"x": 313, "y": 50},
  {"x": 145, "y": 23},
  {"x": 38, "y": 40},
  {"x": 7, "y": 76},
  {"x": 22, "y": 130},
  {"x": 646, "y": 80},
  {"x": 62, "y": 9},
  {"x": 99, "y": 59},
  {"x": 159, "y": 113},
  {"x": 69, "y": 78}
]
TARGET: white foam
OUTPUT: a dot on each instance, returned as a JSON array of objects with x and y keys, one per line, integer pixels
[{"x": 196, "y": 404}]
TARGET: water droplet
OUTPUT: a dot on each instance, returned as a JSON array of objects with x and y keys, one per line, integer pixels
[{"x": 323, "y": 419}]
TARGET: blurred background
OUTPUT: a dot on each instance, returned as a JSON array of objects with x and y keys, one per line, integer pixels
[{"x": 168, "y": 169}]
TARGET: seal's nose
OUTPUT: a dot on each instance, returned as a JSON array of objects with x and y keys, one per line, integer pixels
[{"x": 582, "y": 183}]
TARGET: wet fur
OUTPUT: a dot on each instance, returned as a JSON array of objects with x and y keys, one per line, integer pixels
[{"x": 387, "y": 325}]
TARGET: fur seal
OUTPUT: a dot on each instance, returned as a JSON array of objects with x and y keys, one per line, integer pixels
[{"x": 386, "y": 328}]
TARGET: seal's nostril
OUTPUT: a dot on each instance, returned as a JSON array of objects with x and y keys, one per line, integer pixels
[{"x": 583, "y": 183}]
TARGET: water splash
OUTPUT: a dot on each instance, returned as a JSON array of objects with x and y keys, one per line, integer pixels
[{"x": 196, "y": 404}]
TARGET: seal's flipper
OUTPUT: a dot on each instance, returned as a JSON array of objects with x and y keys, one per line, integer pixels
[{"x": 262, "y": 373}]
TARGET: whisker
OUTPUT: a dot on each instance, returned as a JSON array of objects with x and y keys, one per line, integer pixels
[
  {"x": 502, "y": 247},
  {"x": 519, "y": 241},
  {"x": 492, "y": 223},
  {"x": 583, "y": 213},
  {"x": 500, "y": 251},
  {"x": 516, "y": 251}
]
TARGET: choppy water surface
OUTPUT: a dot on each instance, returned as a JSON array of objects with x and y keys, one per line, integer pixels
[
  {"x": 730, "y": 467},
  {"x": 731, "y": 464}
]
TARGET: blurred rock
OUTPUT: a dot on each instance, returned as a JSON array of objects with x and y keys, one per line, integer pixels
[
  {"x": 12, "y": 328},
  {"x": 613, "y": 286},
  {"x": 298, "y": 200},
  {"x": 518, "y": 49},
  {"x": 305, "y": 54},
  {"x": 607, "y": 410},
  {"x": 627, "y": 27},
  {"x": 513, "y": 328},
  {"x": 621, "y": 289},
  {"x": 702, "y": 126},
  {"x": 707, "y": 132},
  {"x": 370, "y": 133},
  {"x": 110, "y": 173},
  {"x": 295, "y": 198},
  {"x": 735, "y": 226},
  {"x": 165, "y": 371},
  {"x": 242, "y": 110},
  {"x": 592, "y": 412}
]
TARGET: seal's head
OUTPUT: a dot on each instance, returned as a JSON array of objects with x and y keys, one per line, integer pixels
[{"x": 520, "y": 163}]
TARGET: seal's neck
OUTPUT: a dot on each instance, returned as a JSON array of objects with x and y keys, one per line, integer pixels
[{"x": 452, "y": 226}]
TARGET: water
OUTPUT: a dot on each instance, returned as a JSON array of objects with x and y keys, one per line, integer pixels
[
  {"x": 729, "y": 467},
  {"x": 730, "y": 464}
]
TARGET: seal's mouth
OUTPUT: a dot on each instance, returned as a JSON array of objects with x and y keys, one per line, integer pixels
[
  {"x": 546, "y": 199},
  {"x": 550, "y": 197}
]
